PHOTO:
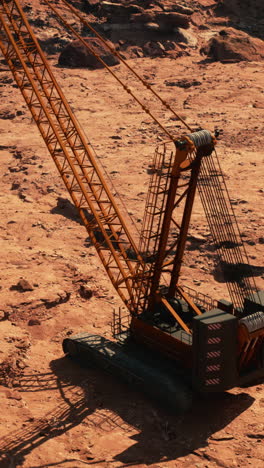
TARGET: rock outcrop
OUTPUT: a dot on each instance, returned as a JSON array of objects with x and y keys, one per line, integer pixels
[
  {"x": 248, "y": 15},
  {"x": 251, "y": 7},
  {"x": 76, "y": 55},
  {"x": 156, "y": 28},
  {"x": 233, "y": 45}
]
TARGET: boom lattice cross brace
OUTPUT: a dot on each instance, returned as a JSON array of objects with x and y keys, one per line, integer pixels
[{"x": 68, "y": 147}]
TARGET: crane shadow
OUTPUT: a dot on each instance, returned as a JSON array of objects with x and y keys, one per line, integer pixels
[
  {"x": 67, "y": 209},
  {"x": 90, "y": 396},
  {"x": 230, "y": 272}
]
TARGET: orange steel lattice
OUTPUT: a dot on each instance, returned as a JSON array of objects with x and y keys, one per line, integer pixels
[
  {"x": 211, "y": 186},
  {"x": 166, "y": 220},
  {"x": 76, "y": 163},
  {"x": 135, "y": 272},
  {"x": 68, "y": 147}
]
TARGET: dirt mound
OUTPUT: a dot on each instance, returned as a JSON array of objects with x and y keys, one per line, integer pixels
[
  {"x": 233, "y": 45},
  {"x": 77, "y": 55}
]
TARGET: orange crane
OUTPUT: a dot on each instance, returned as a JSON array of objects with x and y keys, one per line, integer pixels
[{"x": 177, "y": 339}]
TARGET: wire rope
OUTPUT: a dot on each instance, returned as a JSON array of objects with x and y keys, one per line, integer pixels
[
  {"x": 115, "y": 52},
  {"x": 225, "y": 231}
]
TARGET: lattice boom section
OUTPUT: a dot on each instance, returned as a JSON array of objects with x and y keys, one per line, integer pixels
[
  {"x": 69, "y": 148},
  {"x": 153, "y": 218}
]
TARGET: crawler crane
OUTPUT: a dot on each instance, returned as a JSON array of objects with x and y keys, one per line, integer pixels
[{"x": 176, "y": 339}]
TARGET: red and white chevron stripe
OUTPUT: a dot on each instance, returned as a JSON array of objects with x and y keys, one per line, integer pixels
[
  {"x": 213, "y": 354},
  {"x": 214, "y": 326},
  {"x": 212, "y": 382},
  {"x": 213, "y": 340},
  {"x": 215, "y": 367}
]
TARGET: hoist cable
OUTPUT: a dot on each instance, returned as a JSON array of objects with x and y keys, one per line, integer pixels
[{"x": 114, "y": 52}]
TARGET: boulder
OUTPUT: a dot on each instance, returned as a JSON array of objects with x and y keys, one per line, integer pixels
[
  {"x": 76, "y": 55},
  {"x": 172, "y": 20},
  {"x": 7, "y": 114},
  {"x": 114, "y": 11},
  {"x": 85, "y": 291},
  {"x": 4, "y": 315},
  {"x": 183, "y": 83},
  {"x": 146, "y": 17},
  {"x": 153, "y": 27},
  {"x": 184, "y": 10},
  {"x": 53, "y": 299},
  {"x": 187, "y": 37},
  {"x": 33, "y": 322},
  {"x": 22, "y": 286},
  {"x": 167, "y": 21},
  {"x": 51, "y": 42},
  {"x": 91, "y": 4},
  {"x": 207, "y": 3},
  {"x": 233, "y": 45},
  {"x": 92, "y": 7},
  {"x": 198, "y": 20},
  {"x": 154, "y": 49}
]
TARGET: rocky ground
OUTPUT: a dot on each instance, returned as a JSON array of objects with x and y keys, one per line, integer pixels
[{"x": 54, "y": 412}]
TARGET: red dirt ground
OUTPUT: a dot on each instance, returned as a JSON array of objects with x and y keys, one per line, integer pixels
[{"x": 54, "y": 412}]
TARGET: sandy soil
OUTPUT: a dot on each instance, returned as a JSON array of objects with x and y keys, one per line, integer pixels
[{"x": 53, "y": 411}]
